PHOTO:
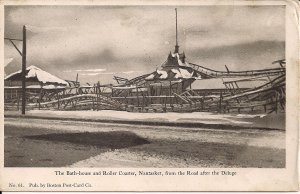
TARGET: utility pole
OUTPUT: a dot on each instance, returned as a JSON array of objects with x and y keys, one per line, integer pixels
[
  {"x": 24, "y": 71},
  {"x": 23, "y": 54}
]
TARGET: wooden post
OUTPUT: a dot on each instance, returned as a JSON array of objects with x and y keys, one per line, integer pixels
[
  {"x": 276, "y": 103},
  {"x": 40, "y": 97},
  {"x": 98, "y": 95},
  {"x": 170, "y": 93},
  {"x": 137, "y": 95},
  {"x": 24, "y": 72},
  {"x": 202, "y": 102},
  {"x": 220, "y": 102},
  {"x": 170, "y": 88},
  {"x": 165, "y": 104},
  {"x": 143, "y": 100},
  {"x": 128, "y": 99},
  {"x": 57, "y": 100},
  {"x": 18, "y": 102},
  {"x": 93, "y": 103}
]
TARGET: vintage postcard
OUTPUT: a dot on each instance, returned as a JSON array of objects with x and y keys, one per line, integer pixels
[{"x": 149, "y": 95}]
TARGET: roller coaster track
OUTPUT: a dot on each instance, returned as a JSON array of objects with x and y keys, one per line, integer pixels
[
  {"x": 210, "y": 73},
  {"x": 271, "y": 94},
  {"x": 137, "y": 80},
  {"x": 80, "y": 101}
]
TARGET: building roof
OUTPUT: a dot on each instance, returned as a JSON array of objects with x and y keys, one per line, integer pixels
[
  {"x": 171, "y": 74},
  {"x": 175, "y": 60},
  {"x": 34, "y": 73},
  {"x": 175, "y": 67}
]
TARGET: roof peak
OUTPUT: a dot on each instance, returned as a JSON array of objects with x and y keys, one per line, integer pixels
[{"x": 39, "y": 74}]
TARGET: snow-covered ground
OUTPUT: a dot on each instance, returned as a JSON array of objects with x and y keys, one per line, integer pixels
[
  {"x": 43, "y": 142},
  {"x": 276, "y": 121}
]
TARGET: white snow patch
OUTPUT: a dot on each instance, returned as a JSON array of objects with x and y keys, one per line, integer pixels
[
  {"x": 163, "y": 74},
  {"x": 41, "y": 75},
  {"x": 182, "y": 73},
  {"x": 251, "y": 116},
  {"x": 185, "y": 73},
  {"x": 150, "y": 77},
  {"x": 175, "y": 55},
  {"x": 177, "y": 73},
  {"x": 179, "y": 62},
  {"x": 124, "y": 87},
  {"x": 53, "y": 87},
  {"x": 202, "y": 117}
]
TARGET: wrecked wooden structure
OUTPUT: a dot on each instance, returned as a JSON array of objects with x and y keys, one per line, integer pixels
[
  {"x": 45, "y": 91},
  {"x": 185, "y": 87},
  {"x": 178, "y": 86}
]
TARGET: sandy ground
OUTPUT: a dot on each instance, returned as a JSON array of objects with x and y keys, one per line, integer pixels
[{"x": 42, "y": 143}]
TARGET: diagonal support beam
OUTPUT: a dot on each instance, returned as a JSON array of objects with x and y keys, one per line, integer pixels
[{"x": 15, "y": 47}]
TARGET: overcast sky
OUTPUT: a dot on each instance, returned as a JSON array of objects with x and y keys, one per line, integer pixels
[{"x": 100, "y": 41}]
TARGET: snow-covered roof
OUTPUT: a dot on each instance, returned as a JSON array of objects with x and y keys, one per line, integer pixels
[
  {"x": 170, "y": 73},
  {"x": 124, "y": 87},
  {"x": 176, "y": 60},
  {"x": 150, "y": 77},
  {"x": 163, "y": 74},
  {"x": 185, "y": 73},
  {"x": 39, "y": 74}
]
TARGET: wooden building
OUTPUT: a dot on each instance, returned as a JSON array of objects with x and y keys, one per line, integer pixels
[{"x": 36, "y": 80}]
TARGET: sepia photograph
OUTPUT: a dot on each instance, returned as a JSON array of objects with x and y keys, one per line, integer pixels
[
  {"x": 135, "y": 86},
  {"x": 166, "y": 95}
]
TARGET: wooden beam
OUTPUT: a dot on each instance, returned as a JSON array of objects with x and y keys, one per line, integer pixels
[
  {"x": 16, "y": 47},
  {"x": 13, "y": 39}
]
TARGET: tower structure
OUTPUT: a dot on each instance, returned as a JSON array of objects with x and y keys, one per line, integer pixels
[
  {"x": 176, "y": 46},
  {"x": 175, "y": 59}
]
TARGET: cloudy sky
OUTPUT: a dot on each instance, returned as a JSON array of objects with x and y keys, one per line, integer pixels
[{"x": 98, "y": 42}]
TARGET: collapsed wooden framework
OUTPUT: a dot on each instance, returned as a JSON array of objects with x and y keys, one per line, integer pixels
[
  {"x": 210, "y": 73},
  {"x": 267, "y": 97},
  {"x": 167, "y": 89},
  {"x": 68, "y": 98},
  {"x": 141, "y": 96}
]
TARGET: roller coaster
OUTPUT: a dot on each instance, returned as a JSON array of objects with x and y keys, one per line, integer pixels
[{"x": 268, "y": 97}]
